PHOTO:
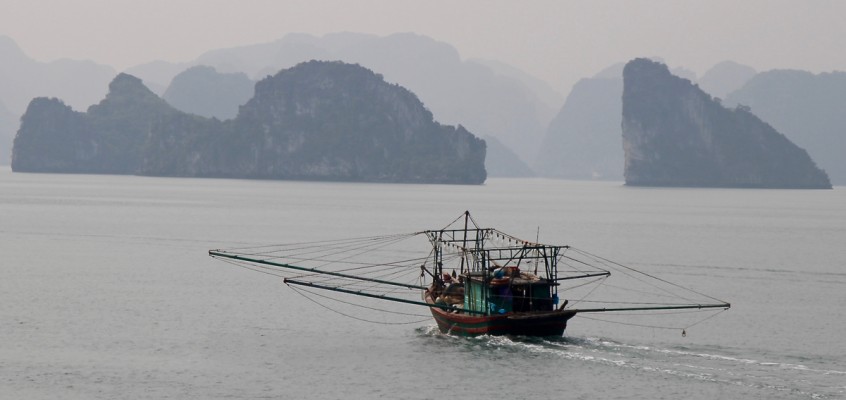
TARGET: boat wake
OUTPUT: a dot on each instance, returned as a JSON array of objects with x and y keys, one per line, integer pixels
[{"x": 768, "y": 378}]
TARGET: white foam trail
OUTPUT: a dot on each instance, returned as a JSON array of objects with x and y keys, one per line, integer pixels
[{"x": 715, "y": 368}]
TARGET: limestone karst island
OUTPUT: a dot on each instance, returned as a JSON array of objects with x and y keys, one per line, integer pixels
[
  {"x": 675, "y": 134},
  {"x": 315, "y": 121}
]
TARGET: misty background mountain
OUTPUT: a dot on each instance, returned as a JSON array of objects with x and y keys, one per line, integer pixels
[
  {"x": 511, "y": 109},
  {"x": 203, "y": 91},
  {"x": 809, "y": 109},
  {"x": 488, "y": 98},
  {"x": 8, "y": 128},
  {"x": 725, "y": 78},
  {"x": 584, "y": 139},
  {"x": 80, "y": 83}
]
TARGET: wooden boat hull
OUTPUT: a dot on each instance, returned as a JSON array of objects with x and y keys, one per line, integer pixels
[{"x": 549, "y": 323}]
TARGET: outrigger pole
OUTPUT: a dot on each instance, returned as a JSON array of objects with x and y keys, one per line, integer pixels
[
  {"x": 217, "y": 253},
  {"x": 378, "y": 296},
  {"x": 687, "y": 307},
  {"x": 606, "y": 273},
  {"x": 452, "y": 308}
]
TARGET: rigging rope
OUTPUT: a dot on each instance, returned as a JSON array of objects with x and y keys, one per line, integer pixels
[
  {"x": 591, "y": 291},
  {"x": 683, "y": 329},
  {"x": 300, "y": 290},
  {"x": 705, "y": 319},
  {"x": 651, "y": 276},
  {"x": 629, "y": 323}
]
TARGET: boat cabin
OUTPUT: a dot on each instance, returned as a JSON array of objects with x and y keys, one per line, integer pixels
[{"x": 508, "y": 291}]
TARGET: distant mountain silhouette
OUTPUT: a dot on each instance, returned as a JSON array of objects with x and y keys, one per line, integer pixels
[
  {"x": 809, "y": 109},
  {"x": 681, "y": 72},
  {"x": 501, "y": 162},
  {"x": 8, "y": 128},
  {"x": 674, "y": 134},
  {"x": 314, "y": 121},
  {"x": 613, "y": 71},
  {"x": 725, "y": 78},
  {"x": 203, "y": 91},
  {"x": 488, "y": 101},
  {"x": 81, "y": 83},
  {"x": 551, "y": 99},
  {"x": 584, "y": 140},
  {"x": 158, "y": 74}
]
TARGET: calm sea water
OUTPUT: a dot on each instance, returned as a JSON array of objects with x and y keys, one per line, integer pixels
[{"x": 107, "y": 292}]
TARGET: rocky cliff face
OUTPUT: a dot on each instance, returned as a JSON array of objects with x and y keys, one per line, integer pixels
[
  {"x": 53, "y": 138},
  {"x": 322, "y": 121},
  {"x": 674, "y": 134},
  {"x": 315, "y": 121}
]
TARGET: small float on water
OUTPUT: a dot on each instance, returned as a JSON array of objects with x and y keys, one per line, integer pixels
[{"x": 474, "y": 280}]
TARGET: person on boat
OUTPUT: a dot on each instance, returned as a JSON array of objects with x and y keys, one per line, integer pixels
[
  {"x": 453, "y": 293},
  {"x": 501, "y": 285}
]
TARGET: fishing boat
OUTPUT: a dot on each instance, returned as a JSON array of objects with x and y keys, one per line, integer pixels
[{"x": 473, "y": 280}]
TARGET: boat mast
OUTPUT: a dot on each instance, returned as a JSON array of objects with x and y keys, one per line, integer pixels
[
  {"x": 464, "y": 242},
  {"x": 438, "y": 254},
  {"x": 551, "y": 263}
]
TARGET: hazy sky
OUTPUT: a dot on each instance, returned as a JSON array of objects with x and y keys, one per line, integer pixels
[{"x": 558, "y": 41}]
